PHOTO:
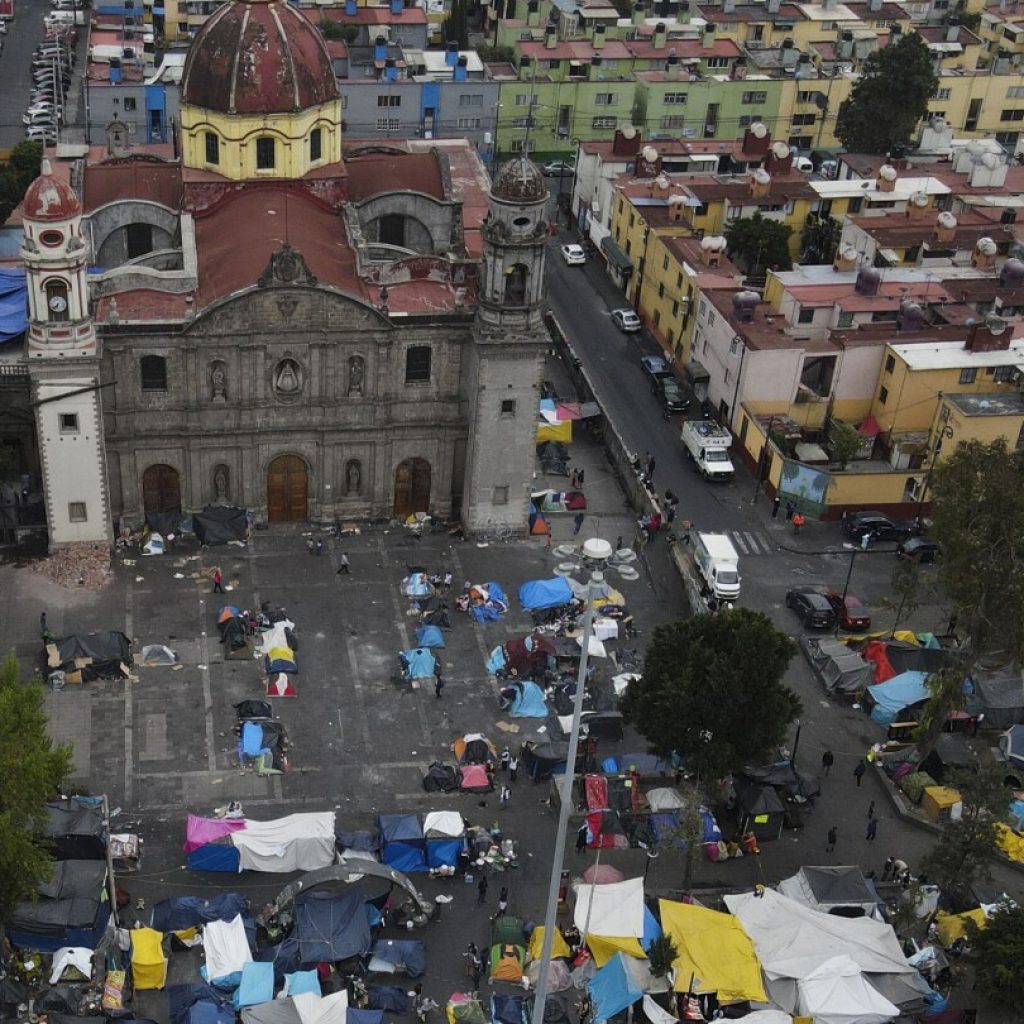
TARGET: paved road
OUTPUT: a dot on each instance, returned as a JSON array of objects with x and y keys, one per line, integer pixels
[{"x": 23, "y": 33}]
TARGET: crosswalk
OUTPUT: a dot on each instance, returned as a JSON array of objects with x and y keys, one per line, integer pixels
[{"x": 751, "y": 542}]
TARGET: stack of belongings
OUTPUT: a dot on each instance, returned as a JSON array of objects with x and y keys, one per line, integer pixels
[
  {"x": 262, "y": 741},
  {"x": 84, "y": 657},
  {"x": 417, "y": 584},
  {"x": 278, "y": 646},
  {"x": 559, "y": 501},
  {"x": 487, "y": 602},
  {"x": 477, "y": 759},
  {"x": 232, "y": 629}
]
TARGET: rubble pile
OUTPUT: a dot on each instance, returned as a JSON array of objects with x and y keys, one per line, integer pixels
[{"x": 77, "y": 565}]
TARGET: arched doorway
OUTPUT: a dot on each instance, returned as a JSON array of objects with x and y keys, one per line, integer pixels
[
  {"x": 161, "y": 489},
  {"x": 412, "y": 487},
  {"x": 287, "y": 489}
]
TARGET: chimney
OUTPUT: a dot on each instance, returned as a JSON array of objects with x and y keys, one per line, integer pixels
[
  {"x": 525, "y": 67},
  {"x": 627, "y": 141},
  {"x": 712, "y": 247},
  {"x": 551, "y": 36},
  {"x": 739, "y": 69},
  {"x": 756, "y": 141},
  {"x": 351, "y": 8},
  {"x": 459, "y": 72},
  {"x": 451, "y": 54},
  {"x": 660, "y": 35},
  {"x": 598, "y": 38},
  {"x": 639, "y": 13},
  {"x": 874, "y": 6},
  {"x": 984, "y": 255},
  {"x": 380, "y": 49},
  {"x": 953, "y": 30},
  {"x": 760, "y": 183},
  {"x": 594, "y": 69},
  {"x": 390, "y": 70},
  {"x": 672, "y": 67},
  {"x": 917, "y": 208},
  {"x": 886, "y": 180},
  {"x": 397, "y": 6},
  {"x": 708, "y": 38},
  {"x": 991, "y": 336}
]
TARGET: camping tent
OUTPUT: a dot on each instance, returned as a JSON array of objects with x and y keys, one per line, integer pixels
[
  {"x": 614, "y": 909},
  {"x": 398, "y": 956},
  {"x": 618, "y": 985},
  {"x": 226, "y": 946},
  {"x": 149, "y": 963},
  {"x": 219, "y": 524},
  {"x": 507, "y": 960},
  {"x": 404, "y": 845},
  {"x": 839, "y": 890},
  {"x": 542, "y": 760},
  {"x": 332, "y": 926},
  {"x": 525, "y": 699},
  {"x": 198, "y": 1004},
  {"x": 760, "y": 810},
  {"x": 475, "y": 778},
  {"x": 888, "y": 699},
  {"x": 540, "y": 594},
  {"x": 1000, "y": 695},
  {"x": 179, "y": 913},
  {"x": 298, "y": 842},
  {"x": 445, "y": 832},
  {"x": 842, "y": 671},
  {"x": 837, "y": 993},
  {"x": 256, "y": 985}
]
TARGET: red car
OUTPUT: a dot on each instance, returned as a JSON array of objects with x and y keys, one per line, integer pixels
[{"x": 853, "y": 615}]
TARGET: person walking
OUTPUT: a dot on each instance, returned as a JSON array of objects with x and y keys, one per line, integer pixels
[
  {"x": 474, "y": 964},
  {"x": 871, "y": 809},
  {"x": 438, "y": 682},
  {"x": 506, "y": 759},
  {"x": 798, "y": 522},
  {"x": 502, "y": 902},
  {"x": 218, "y": 581},
  {"x": 481, "y": 891},
  {"x": 319, "y": 546},
  {"x": 827, "y": 760},
  {"x": 505, "y": 796},
  {"x": 513, "y": 768},
  {"x": 887, "y": 868},
  {"x": 650, "y": 468},
  {"x": 310, "y": 545},
  {"x": 343, "y": 565},
  {"x": 858, "y": 772},
  {"x": 776, "y": 502},
  {"x": 790, "y": 511},
  {"x": 579, "y": 478},
  {"x": 577, "y": 523},
  {"x": 872, "y": 829},
  {"x": 833, "y": 835},
  {"x": 581, "y": 839}
]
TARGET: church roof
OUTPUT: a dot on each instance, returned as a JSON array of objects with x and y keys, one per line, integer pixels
[
  {"x": 130, "y": 178},
  {"x": 49, "y": 198},
  {"x": 258, "y": 57},
  {"x": 519, "y": 181},
  {"x": 372, "y": 172}
]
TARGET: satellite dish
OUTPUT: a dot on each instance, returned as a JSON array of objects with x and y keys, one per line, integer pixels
[
  {"x": 780, "y": 150},
  {"x": 758, "y": 130},
  {"x": 649, "y": 153},
  {"x": 888, "y": 172},
  {"x": 628, "y": 131}
]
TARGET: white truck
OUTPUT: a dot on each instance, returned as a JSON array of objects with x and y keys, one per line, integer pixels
[
  {"x": 718, "y": 565},
  {"x": 708, "y": 445}
]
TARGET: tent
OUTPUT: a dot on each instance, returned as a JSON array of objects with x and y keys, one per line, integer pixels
[
  {"x": 398, "y": 956},
  {"x": 616, "y": 909},
  {"x": 298, "y": 842},
  {"x": 888, "y": 699},
  {"x": 157, "y": 655},
  {"x": 561, "y": 432},
  {"x": 524, "y": 699},
  {"x": 75, "y": 828},
  {"x": 220, "y": 524},
  {"x": 302, "y": 981},
  {"x": 180, "y": 913},
  {"x": 440, "y": 778},
  {"x": 96, "y": 655},
  {"x": 785, "y": 779},
  {"x": 837, "y": 993},
  {"x": 463, "y": 1008},
  {"x": 508, "y": 1009},
  {"x": 445, "y": 832},
  {"x": 475, "y": 778},
  {"x": 332, "y": 926},
  {"x": 842, "y": 671},
  {"x": 542, "y": 760},
  {"x": 526, "y": 655},
  {"x": 507, "y": 962},
  {"x": 149, "y": 963},
  {"x": 474, "y": 748},
  {"x": 714, "y": 951},
  {"x": 429, "y": 636},
  {"x": 559, "y": 501},
  {"x": 404, "y": 845},
  {"x": 256, "y": 985},
  {"x": 604, "y": 947},
  {"x": 71, "y": 909},
  {"x": 1000, "y": 695},
  {"x": 559, "y": 978},
  {"x": 617, "y": 986},
  {"x": 839, "y": 890},
  {"x": 760, "y": 810},
  {"x": 554, "y": 458},
  {"x": 559, "y": 947},
  {"x": 540, "y": 594},
  {"x": 487, "y": 602},
  {"x": 418, "y": 663},
  {"x": 227, "y": 951},
  {"x": 198, "y": 1004},
  {"x": 306, "y": 1008}
]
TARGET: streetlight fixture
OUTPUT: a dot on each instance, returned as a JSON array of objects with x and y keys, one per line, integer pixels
[{"x": 596, "y": 553}]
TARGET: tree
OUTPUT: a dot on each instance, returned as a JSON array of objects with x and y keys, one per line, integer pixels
[
  {"x": 889, "y": 98},
  {"x": 712, "y": 691},
  {"x": 961, "y": 856},
  {"x": 456, "y": 26},
  {"x": 330, "y": 29},
  {"x": 999, "y": 952},
  {"x": 845, "y": 441},
  {"x": 757, "y": 242},
  {"x": 21, "y": 169},
  {"x": 820, "y": 241},
  {"x": 945, "y": 695},
  {"x": 978, "y": 520},
  {"x": 32, "y": 771},
  {"x": 661, "y": 955}
]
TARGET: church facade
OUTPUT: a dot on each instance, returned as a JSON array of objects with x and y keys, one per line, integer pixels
[{"x": 260, "y": 320}]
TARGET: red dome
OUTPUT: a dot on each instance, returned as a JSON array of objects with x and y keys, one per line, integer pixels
[
  {"x": 258, "y": 57},
  {"x": 49, "y": 198}
]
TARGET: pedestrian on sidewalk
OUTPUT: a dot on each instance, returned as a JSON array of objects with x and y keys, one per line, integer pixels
[
  {"x": 311, "y": 545},
  {"x": 871, "y": 809},
  {"x": 790, "y": 511},
  {"x": 506, "y": 757},
  {"x": 513, "y": 769},
  {"x": 218, "y": 581},
  {"x": 650, "y": 468},
  {"x": 481, "y": 891},
  {"x": 872, "y": 829},
  {"x": 827, "y": 760},
  {"x": 887, "y": 868},
  {"x": 573, "y": 479},
  {"x": 579, "y": 478},
  {"x": 618, "y": 543},
  {"x": 858, "y": 772},
  {"x": 438, "y": 683},
  {"x": 776, "y": 502},
  {"x": 343, "y": 565},
  {"x": 502, "y": 902},
  {"x": 798, "y": 522},
  {"x": 319, "y": 546},
  {"x": 581, "y": 838},
  {"x": 833, "y": 835},
  {"x": 577, "y": 523},
  {"x": 505, "y": 796}
]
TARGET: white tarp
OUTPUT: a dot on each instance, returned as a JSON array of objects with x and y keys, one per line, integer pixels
[
  {"x": 299, "y": 842},
  {"x": 444, "y": 823},
  {"x": 837, "y": 993},
  {"x": 226, "y": 947},
  {"x": 767, "y": 1017},
  {"x": 793, "y": 941},
  {"x": 71, "y": 956},
  {"x": 617, "y": 910},
  {"x": 306, "y": 1008},
  {"x": 274, "y": 637},
  {"x": 657, "y": 1014},
  {"x": 664, "y": 799}
]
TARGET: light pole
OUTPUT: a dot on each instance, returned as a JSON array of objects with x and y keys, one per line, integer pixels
[{"x": 933, "y": 454}]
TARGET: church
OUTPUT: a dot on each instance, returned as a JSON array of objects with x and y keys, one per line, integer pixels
[{"x": 253, "y": 316}]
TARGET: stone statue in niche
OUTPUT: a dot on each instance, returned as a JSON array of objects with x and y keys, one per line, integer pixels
[
  {"x": 355, "y": 375},
  {"x": 221, "y": 485},
  {"x": 219, "y": 382},
  {"x": 353, "y": 477},
  {"x": 287, "y": 379}
]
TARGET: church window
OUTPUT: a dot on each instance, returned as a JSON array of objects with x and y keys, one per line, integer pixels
[
  {"x": 508, "y": 408},
  {"x": 212, "y": 148},
  {"x": 138, "y": 239},
  {"x": 76, "y": 512},
  {"x": 69, "y": 422},
  {"x": 52, "y": 238},
  {"x": 153, "y": 370},
  {"x": 266, "y": 153},
  {"x": 417, "y": 364},
  {"x": 57, "y": 301},
  {"x": 316, "y": 146}
]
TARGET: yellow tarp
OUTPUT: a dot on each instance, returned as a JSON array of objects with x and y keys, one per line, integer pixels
[
  {"x": 559, "y": 947},
  {"x": 714, "y": 950},
  {"x": 954, "y": 926},
  {"x": 1010, "y": 843},
  {"x": 612, "y": 596},
  {"x": 604, "y": 947},
  {"x": 555, "y": 432},
  {"x": 149, "y": 965}
]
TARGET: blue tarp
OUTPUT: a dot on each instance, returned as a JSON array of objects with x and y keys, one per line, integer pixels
[
  {"x": 444, "y": 852},
  {"x": 419, "y": 662},
  {"x": 493, "y": 608},
  {"x": 251, "y": 742},
  {"x": 399, "y": 826},
  {"x": 408, "y": 955},
  {"x": 550, "y": 593},
  {"x": 652, "y": 930},
  {"x": 417, "y": 585},
  {"x": 895, "y": 694},
  {"x": 354, "y": 1016},
  {"x": 13, "y": 303},
  {"x": 214, "y": 857},
  {"x": 297, "y": 983},
  {"x": 529, "y": 701},
  {"x": 496, "y": 662},
  {"x": 198, "y": 1004},
  {"x": 332, "y": 926},
  {"x": 615, "y": 987},
  {"x": 429, "y": 636},
  {"x": 280, "y": 665},
  {"x": 387, "y": 997},
  {"x": 644, "y": 764},
  {"x": 507, "y": 1009},
  {"x": 256, "y": 986},
  {"x": 285, "y": 957},
  {"x": 183, "y": 912},
  {"x": 404, "y": 847}
]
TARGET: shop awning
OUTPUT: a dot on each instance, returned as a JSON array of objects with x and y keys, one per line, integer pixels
[
  {"x": 696, "y": 372},
  {"x": 615, "y": 254}
]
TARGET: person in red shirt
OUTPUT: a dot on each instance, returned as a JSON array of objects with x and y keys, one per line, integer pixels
[{"x": 218, "y": 580}]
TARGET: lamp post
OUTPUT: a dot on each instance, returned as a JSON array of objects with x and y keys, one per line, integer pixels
[{"x": 933, "y": 453}]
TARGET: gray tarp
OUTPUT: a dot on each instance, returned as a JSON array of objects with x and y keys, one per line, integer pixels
[
  {"x": 825, "y": 888},
  {"x": 69, "y": 900},
  {"x": 304, "y": 1009},
  {"x": 332, "y": 926},
  {"x": 842, "y": 672},
  {"x": 999, "y": 696}
]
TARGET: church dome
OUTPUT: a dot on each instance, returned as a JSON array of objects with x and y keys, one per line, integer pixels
[
  {"x": 48, "y": 198},
  {"x": 519, "y": 181},
  {"x": 258, "y": 57}
]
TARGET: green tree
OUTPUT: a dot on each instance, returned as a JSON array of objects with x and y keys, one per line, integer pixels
[
  {"x": 820, "y": 241},
  {"x": 661, "y": 955},
  {"x": 889, "y": 98},
  {"x": 945, "y": 695},
  {"x": 21, "y": 169},
  {"x": 456, "y": 26},
  {"x": 712, "y": 691},
  {"x": 845, "y": 442},
  {"x": 757, "y": 243},
  {"x": 961, "y": 856},
  {"x": 977, "y": 510},
  {"x": 999, "y": 952},
  {"x": 32, "y": 771},
  {"x": 331, "y": 29}
]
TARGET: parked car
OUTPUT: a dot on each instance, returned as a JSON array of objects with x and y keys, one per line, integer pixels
[
  {"x": 559, "y": 168},
  {"x": 921, "y": 548},
  {"x": 672, "y": 397},
  {"x": 879, "y": 525},
  {"x": 850, "y": 612},
  {"x": 626, "y": 320},
  {"x": 812, "y": 607},
  {"x": 40, "y": 133},
  {"x": 42, "y": 118},
  {"x": 655, "y": 368},
  {"x": 574, "y": 255}
]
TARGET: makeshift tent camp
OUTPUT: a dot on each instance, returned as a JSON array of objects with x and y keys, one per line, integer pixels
[
  {"x": 226, "y": 947},
  {"x": 445, "y": 833},
  {"x": 404, "y": 845},
  {"x": 306, "y": 1008},
  {"x": 837, "y": 993},
  {"x": 298, "y": 842},
  {"x": 183, "y": 912},
  {"x": 507, "y": 961},
  {"x": 715, "y": 954},
  {"x": 149, "y": 963},
  {"x": 103, "y": 655},
  {"x": 524, "y": 699},
  {"x": 886, "y": 700},
  {"x": 71, "y": 909},
  {"x": 475, "y": 778},
  {"x": 540, "y": 594},
  {"x": 842, "y": 672},
  {"x": 332, "y": 926},
  {"x": 839, "y": 890},
  {"x": 398, "y": 956},
  {"x": 618, "y": 985},
  {"x": 75, "y": 828},
  {"x": 220, "y": 524}
]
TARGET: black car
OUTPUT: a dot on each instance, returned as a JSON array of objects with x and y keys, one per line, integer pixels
[
  {"x": 921, "y": 548},
  {"x": 879, "y": 525},
  {"x": 812, "y": 607},
  {"x": 672, "y": 397}
]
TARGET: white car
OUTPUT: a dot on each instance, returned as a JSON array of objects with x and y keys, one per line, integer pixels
[
  {"x": 574, "y": 255},
  {"x": 41, "y": 133},
  {"x": 626, "y": 320},
  {"x": 39, "y": 118}
]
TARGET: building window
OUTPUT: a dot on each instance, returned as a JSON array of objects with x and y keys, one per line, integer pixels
[
  {"x": 673, "y": 121},
  {"x": 316, "y": 144},
  {"x": 508, "y": 408},
  {"x": 417, "y": 365},
  {"x": 69, "y": 422},
  {"x": 883, "y": 395},
  {"x": 388, "y": 124},
  {"x": 212, "y": 148},
  {"x": 968, "y": 375},
  {"x": 855, "y": 204},
  {"x": 1012, "y": 115},
  {"x": 130, "y": 103},
  {"x": 718, "y": 62},
  {"x": 76, "y": 512},
  {"x": 800, "y": 120},
  {"x": 606, "y": 99},
  {"x": 266, "y": 153},
  {"x": 890, "y": 364},
  {"x": 657, "y": 318},
  {"x": 675, "y": 99},
  {"x": 1003, "y": 374},
  {"x": 755, "y": 97},
  {"x": 604, "y": 122},
  {"x": 391, "y": 100},
  {"x": 664, "y": 266},
  {"x": 468, "y": 123},
  {"x": 471, "y": 100},
  {"x": 1015, "y": 92},
  {"x": 153, "y": 370},
  {"x": 523, "y": 145},
  {"x": 943, "y": 94},
  {"x": 1008, "y": 139},
  {"x": 805, "y": 316},
  {"x": 746, "y": 120},
  {"x": 501, "y": 494},
  {"x": 57, "y": 301},
  {"x": 845, "y": 319}
]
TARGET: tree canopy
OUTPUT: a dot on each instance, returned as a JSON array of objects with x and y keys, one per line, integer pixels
[
  {"x": 712, "y": 691},
  {"x": 889, "y": 98},
  {"x": 32, "y": 771},
  {"x": 977, "y": 511},
  {"x": 758, "y": 242},
  {"x": 21, "y": 169},
  {"x": 456, "y": 25},
  {"x": 998, "y": 954}
]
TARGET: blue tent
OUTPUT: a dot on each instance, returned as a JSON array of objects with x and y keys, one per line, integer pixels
[
  {"x": 493, "y": 608},
  {"x": 404, "y": 848},
  {"x": 644, "y": 764},
  {"x": 406, "y": 955},
  {"x": 895, "y": 694},
  {"x": 285, "y": 956},
  {"x": 198, "y": 1004},
  {"x": 429, "y": 636},
  {"x": 182, "y": 912},
  {"x": 256, "y": 986},
  {"x": 550, "y": 593},
  {"x": 616, "y": 986},
  {"x": 13, "y": 303},
  {"x": 299, "y": 982},
  {"x": 420, "y": 662},
  {"x": 444, "y": 852},
  {"x": 354, "y": 1016},
  {"x": 214, "y": 857},
  {"x": 387, "y": 997},
  {"x": 529, "y": 701},
  {"x": 507, "y": 1009},
  {"x": 332, "y": 926}
]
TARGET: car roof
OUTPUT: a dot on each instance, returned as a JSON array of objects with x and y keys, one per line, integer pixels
[
  {"x": 920, "y": 542},
  {"x": 653, "y": 361},
  {"x": 813, "y": 596}
]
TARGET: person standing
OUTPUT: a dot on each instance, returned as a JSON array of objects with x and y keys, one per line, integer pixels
[
  {"x": 776, "y": 502},
  {"x": 858, "y": 772},
  {"x": 577, "y": 523},
  {"x": 218, "y": 581},
  {"x": 319, "y": 546},
  {"x": 505, "y": 796},
  {"x": 506, "y": 759},
  {"x": 790, "y": 511},
  {"x": 343, "y": 565},
  {"x": 650, "y": 468},
  {"x": 871, "y": 809},
  {"x": 502, "y": 901},
  {"x": 579, "y": 478},
  {"x": 481, "y": 891},
  {"x": 581, "y": 838},
  {"x": 310, "y": 545},
  {"x": 827, "y": 760},
  {"x": 513, "y": 768},
  {"x": 833, "y": 835},
  {"x": 887, "y": 868},
  {"x": 438, "y": 681},
  {"x": 872, "y": 829}
]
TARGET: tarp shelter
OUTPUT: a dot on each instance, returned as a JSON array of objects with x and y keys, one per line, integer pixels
[
  {"x": 199, "y": 1004},
  {"x": 841, "y": 671},
  {"x": 527, "y": 699},
  {"x": 71, "y": 909},
  {"x": 166, "y": 523},
  {"x": 445, "y": 832},
  {"x": 404, "y": 845},
  {"x": 955, "y": 926},
  {"x": 559, "y": 978},
  {"x": 760, "y": 810},
  {"x": 507, "y": 961},
  {"x": 617, "y": 986},
  {"x": 888, "y": 699},
  {"x": 833, "y": 890},
  {"x": 441, "y": 778},
  {"x": 559, "y": 501},
  {"x": 1000, "y": 695},
  {"x": 542, "y": 760},
  {"x": 837, "y": 993},
  {"x": 301, "y": 981},
  {"x": 298, "y": 842},
  {"x": 158, "y": 655},
  {"x": 429, "y": 636},
  {"x": 559, "y": 947},
  {"x": 616, "y": 909},
  {"x": 419, "y": 662},
  {"x": 149, "y": 963},
  {"x": 256, "y": 985},
  {"x": 782, "y": 776},
  {"x": 180, "y": 913},
  {"x": 13, "y": 303},
  {"x": 508, "y": 1009},
  {"x": 475, "y": 778},
  {"x": 714, "y": 951},
  {"x": 462, "y": 1008},
  {"x": 96, "y": 655},
  {"x": 219, "y": 524},
  {"x": 227, "y": 951},
  {"x": 539, "y": 594},
  {"x": 554, "y": 458},
  {"x": 75, "y": 829},
  {"x": 69, "y": 964},
  {"x": 487, "y": 602},
  {"x": 332, "y": 926},
  {"x": 399, "y": 956},
  {"x": 950, "y": 752},
  {"x": 561, "y": 431},
  {"x": 307, "y": 1008}
]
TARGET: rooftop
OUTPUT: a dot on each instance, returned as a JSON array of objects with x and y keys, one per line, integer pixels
[
  {"x": 688, "y": 251},
  {"x": 749, "y": 14},
  {"x": 896, "y": 230},
  {"x": 952, "y": 355},
  {"x": 995, "y": 403}
]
